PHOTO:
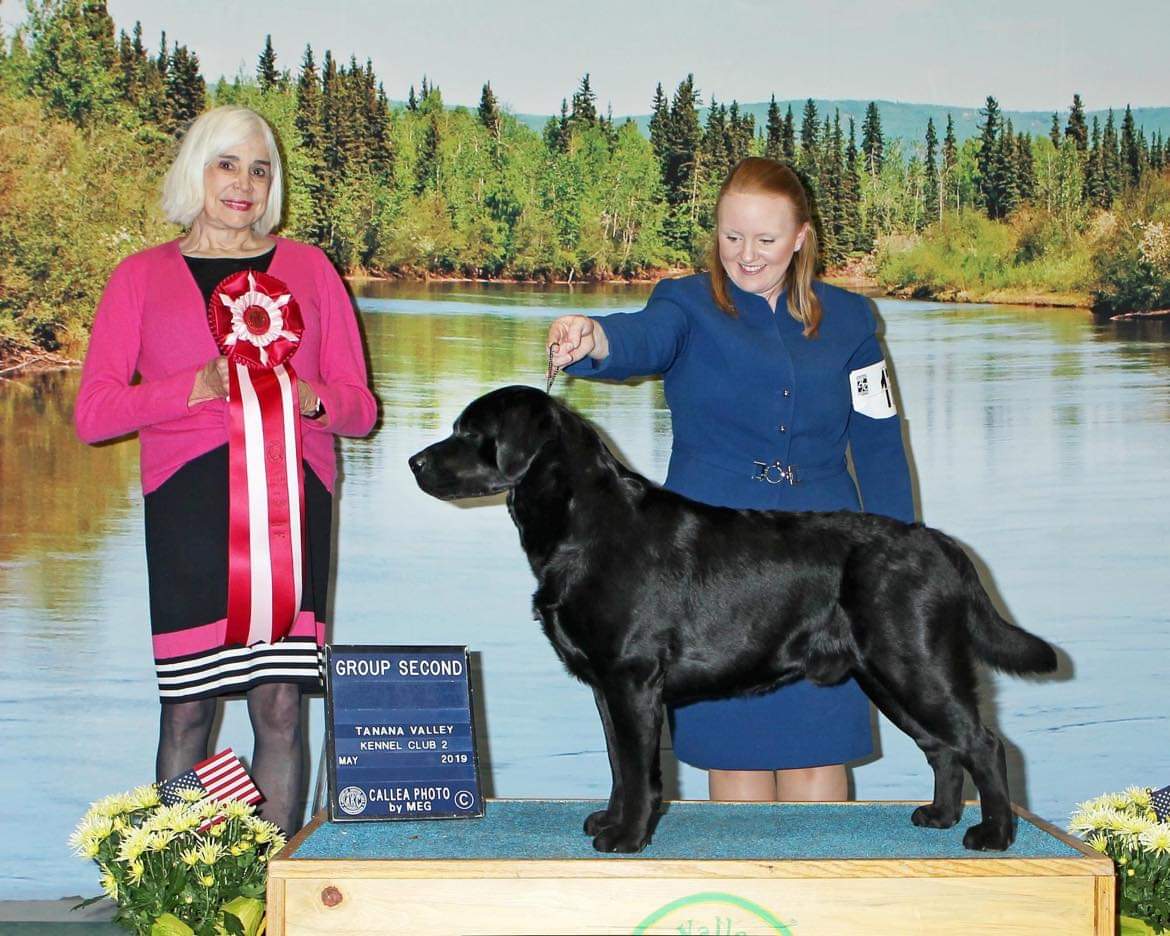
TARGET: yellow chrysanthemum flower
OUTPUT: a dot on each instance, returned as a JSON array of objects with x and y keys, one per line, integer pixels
[
  {"x": 1138, "y": 796},
  {"x": 144, "y": 797},
  {"x": 137, "y": 869},
  {"x": 235, "y": 809},
  {"x": 1131, "y": 828},
  {"x": 1098, "y": 842},
  {"x": 1156, "y": 839},
  {"x": 89, "y": 835},
  {"x": 134, "y": 843},
  {"x": 161, "y": 839},
  {"x": 210, "y": 852},
  {"x": 110, "y": 885},
  {"x": 217, "y": 830},
  {"x": 192, "y": 796},
  {"x": 184, "y": 820},
  {"x": 207, "y": 879},
  {"x": 190, "y": 857}
]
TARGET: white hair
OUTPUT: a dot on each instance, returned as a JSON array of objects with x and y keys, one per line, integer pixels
[{"x": 216, "y": 132}]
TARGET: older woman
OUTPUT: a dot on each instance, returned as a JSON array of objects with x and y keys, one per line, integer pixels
[
  {"x": 155, "y": 368},
  {"x": 769, "y": 375}
]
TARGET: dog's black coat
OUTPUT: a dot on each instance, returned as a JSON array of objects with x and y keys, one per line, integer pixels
[{"x": 649, "y": 597}]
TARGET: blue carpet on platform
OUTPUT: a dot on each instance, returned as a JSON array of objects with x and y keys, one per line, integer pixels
[{"x": 551, "y": 829}]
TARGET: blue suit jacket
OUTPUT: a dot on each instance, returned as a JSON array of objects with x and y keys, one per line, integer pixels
[{"x": 752, "y": 388}]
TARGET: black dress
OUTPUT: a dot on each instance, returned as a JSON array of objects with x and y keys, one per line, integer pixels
[{"x": 187, "y": 564}]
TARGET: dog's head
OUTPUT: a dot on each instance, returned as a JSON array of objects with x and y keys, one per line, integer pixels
[{"x": 491, "y": 447}]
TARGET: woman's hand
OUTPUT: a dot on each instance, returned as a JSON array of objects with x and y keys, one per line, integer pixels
[
  {"x": 307, "y": 398},
  {"x": 211, "y": 382},
  {"x": 575, "y": 337}
]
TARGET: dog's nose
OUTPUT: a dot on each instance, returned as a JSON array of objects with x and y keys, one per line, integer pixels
[{"x": 418, "y": 461}]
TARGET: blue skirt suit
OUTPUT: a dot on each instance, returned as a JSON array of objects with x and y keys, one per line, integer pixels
[{"x": 754, "y": 403}]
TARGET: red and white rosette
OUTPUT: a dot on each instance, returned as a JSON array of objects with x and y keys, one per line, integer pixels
[{"x": 257, "y": 325}]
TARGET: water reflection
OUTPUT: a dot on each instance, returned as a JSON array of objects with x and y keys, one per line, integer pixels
[{"x": 1038, "y": 439}]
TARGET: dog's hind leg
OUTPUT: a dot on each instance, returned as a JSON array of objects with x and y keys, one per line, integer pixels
[
  {"x": 947, "y": 806},
  {"x": 988, "y": 765},
  {"x": 612, "y": 815},
  {"x": 635, "y": 711},
  {"x": 946, "y": 709}
]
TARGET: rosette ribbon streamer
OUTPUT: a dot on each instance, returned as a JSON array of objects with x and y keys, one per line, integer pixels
[{"x": 257, "y": 325}]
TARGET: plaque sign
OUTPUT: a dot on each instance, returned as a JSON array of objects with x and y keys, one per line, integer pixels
[{"x": 400, "y": 733}]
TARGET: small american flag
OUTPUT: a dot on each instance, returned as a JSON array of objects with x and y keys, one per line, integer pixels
[
  {"x": 222, "y": 777},
  {"x": 1160, "y": 800}
]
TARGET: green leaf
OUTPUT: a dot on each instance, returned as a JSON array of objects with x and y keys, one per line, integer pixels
[{"x": 170, "y": 925}]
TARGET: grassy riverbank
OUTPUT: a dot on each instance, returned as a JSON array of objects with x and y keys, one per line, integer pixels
[{"x": 1114, "y": 261}]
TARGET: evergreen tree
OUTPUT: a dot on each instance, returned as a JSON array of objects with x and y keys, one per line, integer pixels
[
  {"x": 266, "y": 74},
  {"x": 1025, "y": 168},
  {"x": 427, "y": 169},
  {"x": 309, "y": 129},
  {"x": 308, "y": 117},
  {"x": 855, "y": 237},
  {"x": 162, "y": 62},
  {"x": 376, "y": 117},
  {"x": 683, "y": 169},
  {"x": 807, "y": 160},
  {"x": 72, "y": 60},
  {"x": 489, "y": 111},
  {"x": 994, "y": 183},
  {"x": 412, "y": 101},
  {"x": 933, "y": 202},
  {"x": 741, "y": 129},
  {"x": 186, "y": 90},
  {"x": 774, "y": 141},
  {"x": 1131, "y": 155},
  {"x": 1094, "y": 184},
  {"x": 788, "y": 138},
  {"x": 832, "y": 208},
  {"x": 716, "y": 157},
  {"x": 660, "y": 124},
  {"x": 950, "y": 166},
  {"x": 1076, "y": 127},
  {"x": 1054, "y": 130},
  {"x": 1007, "y": 145},
  {"x": 584, "y": 112},
  {"x": 872, "y": 143},
  {"x": 1112, "y": 180},
  {"x": 127, "y": 78}
]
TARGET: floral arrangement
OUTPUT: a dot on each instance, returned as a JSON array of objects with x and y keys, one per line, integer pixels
[
  {"x": 197, "y": 868},
  {"x": 1125, "y": 827}
]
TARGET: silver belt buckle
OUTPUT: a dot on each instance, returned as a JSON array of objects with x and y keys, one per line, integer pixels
[{"x": 774, "y": 472}]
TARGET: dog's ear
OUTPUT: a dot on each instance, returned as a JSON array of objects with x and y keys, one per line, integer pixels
[{"x": 523, "y": 435}]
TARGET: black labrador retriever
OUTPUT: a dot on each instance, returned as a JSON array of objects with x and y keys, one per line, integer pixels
[{"x": 651, "y": 598}]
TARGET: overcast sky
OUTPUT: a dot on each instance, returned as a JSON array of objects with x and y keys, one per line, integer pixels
[{"x": 1031, "y": 54}]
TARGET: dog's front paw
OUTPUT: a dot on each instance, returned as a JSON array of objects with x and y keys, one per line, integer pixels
[
  {"x": 934, "y": 817},
  {"x": 617, "y": 839},
  {"x": 989, "y": 836},
  {"x": 597, "y": 822}
]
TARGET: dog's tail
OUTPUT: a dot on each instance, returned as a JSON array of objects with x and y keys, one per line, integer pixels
[{"x": 997, "y": 642}]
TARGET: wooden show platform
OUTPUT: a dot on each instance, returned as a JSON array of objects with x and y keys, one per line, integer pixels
[{"x": 716, "y": 868}]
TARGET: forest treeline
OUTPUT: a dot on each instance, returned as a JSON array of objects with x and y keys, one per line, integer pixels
[{"x": 91, "y": 114}]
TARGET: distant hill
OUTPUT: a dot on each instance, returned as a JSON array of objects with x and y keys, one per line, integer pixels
[{"x": 908, "y": 121}]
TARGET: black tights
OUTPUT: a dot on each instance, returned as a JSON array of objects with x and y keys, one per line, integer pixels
[{"x": 278, "y": 758}]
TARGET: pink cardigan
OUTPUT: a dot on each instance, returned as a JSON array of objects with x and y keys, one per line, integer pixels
[{"x": 152, "y": 321}]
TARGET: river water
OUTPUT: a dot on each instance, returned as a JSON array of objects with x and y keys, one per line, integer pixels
[{"x": 1038, "y": 438}]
